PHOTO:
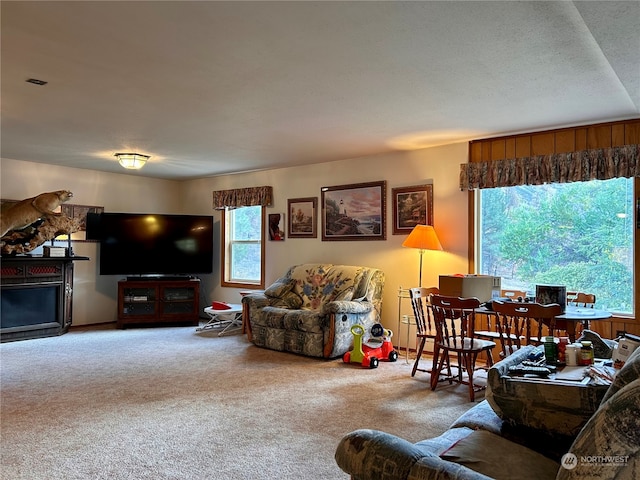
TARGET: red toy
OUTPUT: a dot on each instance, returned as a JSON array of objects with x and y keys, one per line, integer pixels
[{"x": 378, "y": 347}]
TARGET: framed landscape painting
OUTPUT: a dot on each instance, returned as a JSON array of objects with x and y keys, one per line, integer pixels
[
  {"x": 412, "y": 206},
  {"x": 303, "y": 217},
  {"x": 354, "y": 212}
]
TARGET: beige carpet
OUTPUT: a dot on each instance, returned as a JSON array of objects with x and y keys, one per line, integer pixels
[{"x": 169, "y": 403}]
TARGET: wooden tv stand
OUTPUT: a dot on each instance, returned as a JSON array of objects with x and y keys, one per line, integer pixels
[{"x": 158, "y": 301}]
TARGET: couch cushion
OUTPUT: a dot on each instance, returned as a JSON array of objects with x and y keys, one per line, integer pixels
[
  {"x": 288, "y": 300},
  {"x": 497, "y": 457},
  {"x": 608, "y": 447},
  {"x": 272, "y": 317},
  {"x": 317, "y": 284},
  {"x": 304, "y": 321},
  {"x": 480, "y": 417}
]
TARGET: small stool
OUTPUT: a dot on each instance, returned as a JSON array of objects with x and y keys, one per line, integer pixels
[{"x": 230, "y": 319}]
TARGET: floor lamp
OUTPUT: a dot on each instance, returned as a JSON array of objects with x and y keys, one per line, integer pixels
[{"x": 424, "y": 238}]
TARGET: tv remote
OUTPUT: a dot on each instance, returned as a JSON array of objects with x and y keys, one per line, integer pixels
[
  {"x": 529, "y": 370},
  {"x": 551, "y": 368},
  {"x": 529, "y": 363}
]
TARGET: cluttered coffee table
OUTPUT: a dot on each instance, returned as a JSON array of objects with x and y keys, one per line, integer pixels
[{"x": 559, "y": 402}]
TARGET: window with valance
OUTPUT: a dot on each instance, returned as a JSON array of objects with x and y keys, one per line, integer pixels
[
  {"x": 243, "y": 234},
  {"x": 560, "y": 219},
  {"x": 242, "y": 197},
  {"x": 585, "y": 165}
]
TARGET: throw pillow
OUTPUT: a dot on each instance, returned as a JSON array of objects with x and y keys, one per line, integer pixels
[{"x": 279, "y": 288}]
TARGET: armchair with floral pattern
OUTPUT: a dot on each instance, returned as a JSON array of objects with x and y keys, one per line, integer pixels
[{"x": 310, "y": 310}]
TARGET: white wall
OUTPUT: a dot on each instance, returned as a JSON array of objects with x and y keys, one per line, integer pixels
[
  {"x": 95, "y": 296},
  {"x": 439, "y": 166}
]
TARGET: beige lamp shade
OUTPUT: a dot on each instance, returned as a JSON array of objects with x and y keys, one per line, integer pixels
[{"x": 422, "y": 237}]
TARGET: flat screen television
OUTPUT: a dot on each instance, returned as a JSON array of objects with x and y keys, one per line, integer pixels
[{"x": 152, "y": 244}]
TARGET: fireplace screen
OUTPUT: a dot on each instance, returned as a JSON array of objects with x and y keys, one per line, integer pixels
[{"x": 24, "y": 306}]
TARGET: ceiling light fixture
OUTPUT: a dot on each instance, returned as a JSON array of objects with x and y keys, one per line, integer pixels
[
  {"x": 132, "y": 161},
  {"x": 35, "y": 81}
]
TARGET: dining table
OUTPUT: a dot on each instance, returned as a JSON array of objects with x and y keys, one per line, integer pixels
[{"x": 574, "y": 315}]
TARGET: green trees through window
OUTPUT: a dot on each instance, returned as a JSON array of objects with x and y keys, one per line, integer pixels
[
  {"x": 575, "y": 234},
  {"x": 243, "y": 237}
]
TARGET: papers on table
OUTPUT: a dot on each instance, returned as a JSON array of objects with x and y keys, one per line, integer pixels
[{"x": 572, "y": 374}]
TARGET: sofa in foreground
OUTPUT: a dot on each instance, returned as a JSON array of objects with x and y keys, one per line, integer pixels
[
  {"x": 311, "y": 309},
  {"x": 480, "y": 444}
]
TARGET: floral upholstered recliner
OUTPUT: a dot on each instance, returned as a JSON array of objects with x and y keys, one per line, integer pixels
[{"x": 311, "y": 309}]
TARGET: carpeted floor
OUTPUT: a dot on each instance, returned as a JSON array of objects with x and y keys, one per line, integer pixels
[{"x": 170, "y": 403}]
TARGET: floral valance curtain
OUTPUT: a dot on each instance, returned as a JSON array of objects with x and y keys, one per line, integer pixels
[
  {"x": 585, "y": 165},
  {"x": 242, "y": 197}
]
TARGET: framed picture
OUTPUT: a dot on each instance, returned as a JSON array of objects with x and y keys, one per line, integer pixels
[
  {"x": 354, "y": 212},
  {"x": 79, "y": 212},
  {"x": 276, "y": 222},
  {"x": 303, "y": 218},
  {"x": 411, "y": 206}
]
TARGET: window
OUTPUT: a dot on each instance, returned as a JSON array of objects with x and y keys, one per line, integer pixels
[
  {"x": 243, "y": 247},
  {"x": 575, "y": 234}
]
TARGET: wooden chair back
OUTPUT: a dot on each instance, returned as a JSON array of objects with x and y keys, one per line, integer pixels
[
  {"x": 455, "y": 323},
  {"x": 515, "y": 295},
  {"x": 586, "y": 300},
  {"x": 455, "y": 320},
  {"x": 571, "y": 297},
  {"x": 521, "y": 324},
  {"x": 421, "y": 305}
]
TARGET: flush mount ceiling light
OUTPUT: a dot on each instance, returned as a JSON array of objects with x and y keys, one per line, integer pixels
[
  {"x": 132, "y": 161},
  {"x": 36, "y": 81}
]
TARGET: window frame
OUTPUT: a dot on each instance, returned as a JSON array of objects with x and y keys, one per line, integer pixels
[{"x": 225, "y": 253}]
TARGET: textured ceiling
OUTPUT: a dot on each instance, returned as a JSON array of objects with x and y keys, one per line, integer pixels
[{"x": 209, "y": 88}]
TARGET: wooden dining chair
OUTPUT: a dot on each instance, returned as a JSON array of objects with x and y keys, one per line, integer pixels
[
  {"x": 425, "y": 327},
  {"x": 577, "y": 299},
  {"x": 585, "y": 300},
  {"x": 455, "y": 323},
  {"x": 514, "y": 295},
  {"x": 521, "y": 324}
]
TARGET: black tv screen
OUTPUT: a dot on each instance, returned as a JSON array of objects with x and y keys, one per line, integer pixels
[{"x": 152, "y": 244}]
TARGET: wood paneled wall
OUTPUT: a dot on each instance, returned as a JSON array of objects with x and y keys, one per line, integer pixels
[{"x": 602, "y": 135}]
